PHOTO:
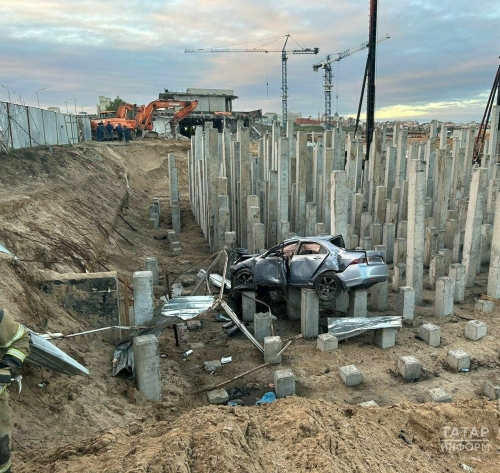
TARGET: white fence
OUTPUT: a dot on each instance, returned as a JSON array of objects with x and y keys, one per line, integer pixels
[{"x": 24, "y": 127}]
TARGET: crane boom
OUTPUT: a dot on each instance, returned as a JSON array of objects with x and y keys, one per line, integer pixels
[
  {"x": 326, "y": 64},
  {"x": 284, "y": 58}
]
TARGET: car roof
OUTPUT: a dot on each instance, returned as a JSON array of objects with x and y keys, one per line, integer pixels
[{"x": 319, "y": 239}]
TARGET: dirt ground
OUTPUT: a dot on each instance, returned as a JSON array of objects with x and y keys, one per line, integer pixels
[{"x": 61, "y": 206}]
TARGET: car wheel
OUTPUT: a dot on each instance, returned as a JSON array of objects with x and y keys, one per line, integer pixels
[
  {"x": 328, "y": 286},
  {"x": 243, "y": 277}
]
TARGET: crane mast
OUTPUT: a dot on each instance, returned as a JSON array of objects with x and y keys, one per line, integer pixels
[
  {"x": 326, "y": 65},
  {"x": 284, "y": 72}
]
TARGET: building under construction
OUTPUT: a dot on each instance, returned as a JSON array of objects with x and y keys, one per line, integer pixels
[{"x": 214, "y": 105}]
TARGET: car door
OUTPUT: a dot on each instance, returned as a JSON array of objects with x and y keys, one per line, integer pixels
[
  {"x": 270, "y": 268},
  {"x": 306, "y": 261}
]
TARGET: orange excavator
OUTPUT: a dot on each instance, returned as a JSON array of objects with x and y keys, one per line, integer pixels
[
  {"x": 144, "y": 116},
  {"x": 140, "y": 118}
]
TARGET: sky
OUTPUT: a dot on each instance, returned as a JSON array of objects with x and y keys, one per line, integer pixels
[{"x": 439, "y": 63}]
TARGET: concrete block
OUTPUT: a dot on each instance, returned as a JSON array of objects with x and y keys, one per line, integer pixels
[
  {"x": 193, "y": 324},
  {"x": 458, "y": 360},
  {"x": 154, "y": 223},
  {"x": 431, "y": 334},
  {"x": 262, "y": 325},
  {"x": 327, "y": 342},
  {"x": 309, "y": 313},
  {"x": 248, "y": 305},
  {"x": 172, "y": 236},
  {"x": 358, "y": 302},
  {"x": 143, "y": 297},
  {"x": 218, "y": 396},
  {"x": 445, "y": 294},
  {"x": 211, "y": 366},
  {"x": 284, "y": 383},
  {"x": 385, "y": 337},
  {"x": 176, "y": 251},
  {"x": 147, "y": 366},
  {"x": 368, "y": 404},
  {"x": 293, "y": 303},
  {"x": 405, "y": 306},
  {"x": 409, "y": 367},
  {"x": 152, "y": 265},
  {"x": 272, "y": 346},
  {"x": 491, "y": 390},
  {"x": 351, "y": 375},
  {"x": 437, "y": 395},
  {"x": 475, "y": 329},
  {"x": 483, "y": 306}
]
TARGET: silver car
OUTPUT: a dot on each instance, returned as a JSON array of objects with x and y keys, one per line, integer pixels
[{"x": 320, "y": 262}]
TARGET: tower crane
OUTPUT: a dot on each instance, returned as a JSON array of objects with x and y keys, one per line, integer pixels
[
  {"x": 284, "y": 59},
  {"x": 326, "y": 65}
]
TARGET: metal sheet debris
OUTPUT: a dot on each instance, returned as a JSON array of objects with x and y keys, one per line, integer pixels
[
  {"x": 45, "y": 354},
  {"x": 187, "y": 307},
  {"x": 216, "y": 280},
  {"x": 347, "y": 327}
]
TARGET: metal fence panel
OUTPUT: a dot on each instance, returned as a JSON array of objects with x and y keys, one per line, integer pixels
[
  {"x": 62, "y": 132},
  {"x": 22, "y": 127},
  {"x": 19, "y": 126},
  {"x": 36, "y": 130},
  {"x": 50, "y": 124},
  {"x": 4, "y": 126}
]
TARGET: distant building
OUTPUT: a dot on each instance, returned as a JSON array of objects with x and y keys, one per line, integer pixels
[
  {"x": 104, "y": 103},
  {"x": 307, "y": 122},
  {"x": 209, "y": 100},
  {"x": 54, "y": 109}
]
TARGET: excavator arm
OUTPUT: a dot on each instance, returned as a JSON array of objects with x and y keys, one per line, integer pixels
[
  {"x": 124, "y": 109},
  {"x": 144, "y": 114}
]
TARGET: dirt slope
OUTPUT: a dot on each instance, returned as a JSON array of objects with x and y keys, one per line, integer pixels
[{"x": 292, "y": 435}]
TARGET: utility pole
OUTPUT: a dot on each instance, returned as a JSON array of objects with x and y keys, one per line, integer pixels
[
  {"x": 372, "y": 48},
  {"x": 8, "y": 91},
  {"x": 37, "y": 99}
]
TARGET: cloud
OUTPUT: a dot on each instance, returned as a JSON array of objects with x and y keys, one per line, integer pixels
[{"x": 439, "y": 52}]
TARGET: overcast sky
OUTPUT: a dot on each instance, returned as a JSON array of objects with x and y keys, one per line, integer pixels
[{"x": 439, "y": 63}]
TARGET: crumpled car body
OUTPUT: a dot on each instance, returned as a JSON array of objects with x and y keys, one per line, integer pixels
[{"x": 319, "y": 262}]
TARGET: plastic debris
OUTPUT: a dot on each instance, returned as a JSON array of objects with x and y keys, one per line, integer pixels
[
  {"x": 189, "y": 352},
  {"x": 267, "y": 398},
  {"x": 226, "y": 359},
  {"x": 42, "y": 385}
]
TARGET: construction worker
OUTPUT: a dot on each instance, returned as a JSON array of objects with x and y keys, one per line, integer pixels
[
  {"x": 119, "y": 130},
  {"x": 14, "y": 347},
  {"x": 100, "y": 131},
  {"x": 126, "y": 131},
  {"x": 109, "y": 131}
]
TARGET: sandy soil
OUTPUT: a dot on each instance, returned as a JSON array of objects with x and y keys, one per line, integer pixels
[{"x": 60, "y": 206}]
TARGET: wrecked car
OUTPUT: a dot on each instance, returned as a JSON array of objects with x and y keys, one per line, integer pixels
[{"x": 320, "y": 262}]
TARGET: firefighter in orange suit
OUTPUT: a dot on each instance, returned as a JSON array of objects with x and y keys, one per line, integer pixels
[{"x": 14, "y": 348}]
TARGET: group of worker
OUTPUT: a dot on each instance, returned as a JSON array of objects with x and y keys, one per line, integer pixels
[{"x": 105, "y": 132}]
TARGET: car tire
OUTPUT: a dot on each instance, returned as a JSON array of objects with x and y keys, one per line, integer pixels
[
  {"x": 244, "y": 277},
  {"x": 328, "y": 286}
]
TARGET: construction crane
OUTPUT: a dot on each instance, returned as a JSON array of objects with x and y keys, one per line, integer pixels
[
  {"x": 326, "y": 65},
  {"x": 284, "y": 59}
]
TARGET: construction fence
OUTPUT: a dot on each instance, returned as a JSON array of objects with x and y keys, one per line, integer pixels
[{"x": 24, "y": 127}]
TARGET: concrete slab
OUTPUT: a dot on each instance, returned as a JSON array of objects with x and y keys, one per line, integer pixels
[{"x": 437, "y": 395}]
